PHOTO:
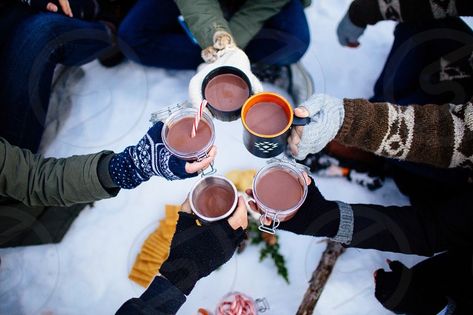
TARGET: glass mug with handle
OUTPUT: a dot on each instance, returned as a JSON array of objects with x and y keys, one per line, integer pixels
[
  {"x": 279, "y": 190},
  {"x": 176, "y": 135}
]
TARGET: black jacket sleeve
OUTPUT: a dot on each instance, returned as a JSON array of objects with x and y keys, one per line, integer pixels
[
  {"x": 422, "y": 230},
  {"x": 160, "y": 298}
]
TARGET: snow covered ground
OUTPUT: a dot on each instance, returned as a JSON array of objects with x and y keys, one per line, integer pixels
[{"x": 87, "y": 272}]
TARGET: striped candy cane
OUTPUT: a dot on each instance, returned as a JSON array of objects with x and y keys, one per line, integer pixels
[
  {"x": 198, "y": 117},
  {"x": 239, "y": 306}
]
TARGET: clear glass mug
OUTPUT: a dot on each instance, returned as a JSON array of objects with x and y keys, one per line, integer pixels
[
  {"x": 199, "y": 188},
  {"x": 276, "y": 216},
  {"x": 254, "y": 307},
  {"x": 198, "y": 155}
]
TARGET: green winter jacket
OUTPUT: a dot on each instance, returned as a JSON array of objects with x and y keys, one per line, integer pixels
[
  {"x": 205, "y": 17},
  {"x": 30, "y": 184}
]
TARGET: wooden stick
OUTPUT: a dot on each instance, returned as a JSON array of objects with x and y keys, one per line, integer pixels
[{"x": 320, "y": 277}]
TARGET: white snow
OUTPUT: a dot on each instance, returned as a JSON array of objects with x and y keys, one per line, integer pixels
[{"x": 87, "y": 272}]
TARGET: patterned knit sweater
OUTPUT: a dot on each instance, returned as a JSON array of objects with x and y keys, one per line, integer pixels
[
  {"x": 369, "y": 12},
  {"x": 439, "y": 135}
]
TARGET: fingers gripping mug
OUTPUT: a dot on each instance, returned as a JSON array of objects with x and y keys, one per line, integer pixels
[
  {"x": 226, "y": 89},
  {"x": 267, "y": 119},
  {"x": 279, "y": 190},
  {"x": 176, "y": 135},
  {"x": 213, "y": 198}
]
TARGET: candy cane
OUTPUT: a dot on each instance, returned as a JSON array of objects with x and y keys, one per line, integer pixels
[
  {"x": 198, "y": 117},
  {"x": 239, "y": 306}
]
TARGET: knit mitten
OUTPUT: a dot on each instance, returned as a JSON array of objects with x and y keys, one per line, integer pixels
[
  {"x": 348, "y": 33},
  {"x": 413, "y": 290},
  {"x": 327, "y": 114},
  {"x": 196, "y": 251},
  {"x": 320, "y": 217},
  {"x": 221, "y": 41},
  {"x": 136, "y": 164}
]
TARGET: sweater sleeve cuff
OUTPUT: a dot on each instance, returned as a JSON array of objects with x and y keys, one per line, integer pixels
[
  {"x": 90, "y": 178},
  {"x": 163, "y": 296},
  {"x": 104, "y": 173},
  {"x": 349, "y": 107},
  {"x": 345, "y": 229}
]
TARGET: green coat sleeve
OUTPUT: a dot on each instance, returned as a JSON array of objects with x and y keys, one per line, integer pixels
[
  {"x": 204, "y": 18},
  {"x": 249, "y": 20},
  {"x": 38, "y": 181}
]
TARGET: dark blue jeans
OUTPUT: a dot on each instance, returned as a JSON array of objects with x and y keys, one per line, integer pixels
[
  {"x": 428, "y": 64},
  {"x": 31, "y": 45},
  {"x": 155, "y": 38}
]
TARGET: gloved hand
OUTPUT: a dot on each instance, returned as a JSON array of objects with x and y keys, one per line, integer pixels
[
  {"x": 411, "y": 290},
  {"x": 228, "y": 56},
  {"x": 136, "y": 164},
  {"x": 348, "y": 33},
  {"x": 327, "y": 115},
  {"x": 317, "y": 216},
  {"x": 196, "y": 250}
]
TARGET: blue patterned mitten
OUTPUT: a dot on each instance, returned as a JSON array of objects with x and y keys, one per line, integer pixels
[{"x": 136, "y": 164}]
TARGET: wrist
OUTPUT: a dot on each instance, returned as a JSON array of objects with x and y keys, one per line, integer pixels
[
  {"x": 163, "y": 294},
  {"x": 347, "y": 121},
  {"x": 123, "y": 171},
  {"x": 103, "y": 172}
]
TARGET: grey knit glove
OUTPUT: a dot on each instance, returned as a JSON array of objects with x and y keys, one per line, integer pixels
[
  {"x": 348, "y": 33},
  {"x": 327, "y": 114}
]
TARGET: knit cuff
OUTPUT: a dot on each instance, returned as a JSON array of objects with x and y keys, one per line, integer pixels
[
  {"x": 123, "y": 171},
  {"x": 349, "y": 117},
  {"x": 345, "y": 229},
  {"x": 104, "y": 173}
]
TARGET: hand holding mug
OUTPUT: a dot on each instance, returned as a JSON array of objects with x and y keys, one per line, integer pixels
[
  {"x": 327, "y": 114},
  {"x": 150, "y": 157},
  {"x": 196, "y": 250},
  {"x": 315, "y": 217}
]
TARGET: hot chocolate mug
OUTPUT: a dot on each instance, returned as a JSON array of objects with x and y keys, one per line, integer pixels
[
  {"x": 213, "y": 198},
  {"x": 279, "y": 190},
  {"x": 176, "y": 135},
  {"x": 267, "y": 119},
  {"x": 226, "y": 89}
]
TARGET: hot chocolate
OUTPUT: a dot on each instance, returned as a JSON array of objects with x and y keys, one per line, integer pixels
[
  {"x": 227, "y": 92},
  {"x": 179, "y": 135},
  {"x": 266, "y": 118},
  {"x": 279, "y": 190},
  {"x": 215, "y": 200}
]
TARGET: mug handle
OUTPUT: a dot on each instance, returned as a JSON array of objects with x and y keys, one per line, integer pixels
[
  {"x": 270, "y": 229},
  {"x": 212, "y": 170},
  {"x": 247, "y": 200},
  {"x": 298, "y": 121}
]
